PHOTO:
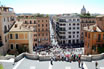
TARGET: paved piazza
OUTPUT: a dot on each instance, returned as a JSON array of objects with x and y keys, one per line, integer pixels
[{"x": 34, "y": 64}]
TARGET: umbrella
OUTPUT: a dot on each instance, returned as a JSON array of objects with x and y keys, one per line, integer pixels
[{"x": 68, "y": 55}]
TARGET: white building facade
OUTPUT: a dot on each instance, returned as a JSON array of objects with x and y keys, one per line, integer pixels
[{"x": 69, "y": 29}]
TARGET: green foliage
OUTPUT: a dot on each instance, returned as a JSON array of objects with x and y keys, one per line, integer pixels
[
  {"x": 39, "y": 15},
  {"x": 100, "y": 49},
  {"x": 87, "y": 15},
  {"x": 47, "y": 15},
  {"x": 1, "y": 66},
  {"x": 21, "y": 49}
]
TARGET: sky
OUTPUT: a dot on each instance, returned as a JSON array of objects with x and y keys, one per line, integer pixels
[{"x": 54, "y": 6}]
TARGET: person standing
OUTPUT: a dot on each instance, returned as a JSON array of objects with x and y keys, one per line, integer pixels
[
  {"x": 51, "y": 61},
  {"x": 82, "y": 65},
  {"x": 79, "y": 63},
  {"x": 96, "y": 64}
]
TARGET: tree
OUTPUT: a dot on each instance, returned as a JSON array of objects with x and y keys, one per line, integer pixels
[
  {"x": 100, "y": 49},
  {"x": 22, "y": 49}
]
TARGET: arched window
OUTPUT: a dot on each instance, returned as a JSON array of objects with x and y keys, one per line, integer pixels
[{"x": 5, "y": 29}]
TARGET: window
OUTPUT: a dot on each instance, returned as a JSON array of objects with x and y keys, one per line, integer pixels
[
  {"x": 77, "y": 32},
  {"x": 69, "y": 36},
  {"x": 73, "y": 27},
  {"x": 42, "y": 25},
  {"x": 77, "y": 23},
  {"x": 78, "y": 19},
  {"x": 35, "y": 34},
  {"x": 46, "y": 29},
  {"x": 35, "y": 39},
  {"x": 73, "y": 32},
  {"x": 46, "y": 20},
  {"x": 38, "y": 30},
  {"x": 77, "y": 27},
  {"x": 5, "y": 29},
  {"x": 42, "y": 20},
  {"x": 99, "y": 37},
  {"x": 73, "y": 19},
  {"x": 69, "y": 41},
  {"x": 73, "y": 41},
  {"x": 69, "y": 32},
  {"x": 63, "y": 41},
  {"x": 69, "y": 24},
  {"x": 38, "y": 34},
  {"x": 11, "y": 46},
  {"x": 38, "y": 25},
  {"x": 42, "y": 29},
  {"x": 46, "y": 25},
  {"x": 74, "y": 24},
  {"x": 17, "y": 46},
  {"x": 89, "y": 35},
  {"x": 69, "y": 28},
  {"x": 103, "y": 36},
  {"x": 73, "y": 36},
  {"x": 77, "y": 41},
  {"x": 46, "y": 34},
  {"x": 35, "y": 44},
  {"x": 16, "y": 36},
  {"x": 85, "y": 34},
  {"x": 30, "y": 22},
  {"x": 34, "y": 22},
  {"x": 11, "y": 37},
  {"x": 0, "y": 37},
  {"x": 62, "y": 20},
  {"x": 46, "y": 39},
  {"x": 42, "y": 34},
  {"x": 69, "y": 19}
]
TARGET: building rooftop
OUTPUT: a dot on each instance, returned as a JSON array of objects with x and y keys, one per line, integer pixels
[
  {"x": 18, "y": 27},
  {"x": 92, "y": 28},
  {"x": 100, "y": 16}
]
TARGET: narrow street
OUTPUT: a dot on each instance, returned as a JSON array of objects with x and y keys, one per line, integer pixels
[{"x": 52, "y": 35}]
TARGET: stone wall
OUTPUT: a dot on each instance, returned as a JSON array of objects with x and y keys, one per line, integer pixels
[{"x": 88, "y": 58}]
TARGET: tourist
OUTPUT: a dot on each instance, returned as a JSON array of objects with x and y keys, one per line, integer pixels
[
  {"x": 79, "y": 63},
  {"x": 51, "y": 61},
  {"x": 96, "y": 64},
  {"x": 82, "y": 65}
]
